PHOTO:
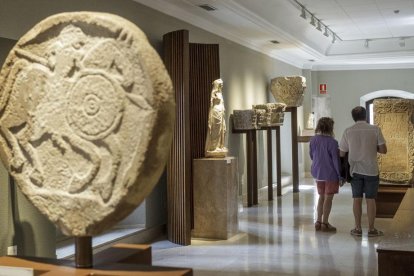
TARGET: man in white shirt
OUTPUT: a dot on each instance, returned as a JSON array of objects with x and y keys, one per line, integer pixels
[{"x": 362, "y": 141}]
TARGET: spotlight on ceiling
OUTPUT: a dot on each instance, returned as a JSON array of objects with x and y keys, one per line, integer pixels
[
  {"x": 312, "y": 22},
  {"x": 207, "y": 7},
  {"x": 303, "y": 14},
  {"x": 326, "y": 32},
  {"x": 319, "y": 28}
]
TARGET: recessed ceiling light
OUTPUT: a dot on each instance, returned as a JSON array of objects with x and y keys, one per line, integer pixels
[{"x": 207, "y": 7}]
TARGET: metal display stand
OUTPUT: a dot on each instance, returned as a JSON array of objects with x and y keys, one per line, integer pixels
[{"x": 83, "y": 252}]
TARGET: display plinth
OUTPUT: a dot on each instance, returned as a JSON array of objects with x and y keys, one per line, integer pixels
[
  {"x": 122, "y": 263},
  {"x": 215, "y": 198}
]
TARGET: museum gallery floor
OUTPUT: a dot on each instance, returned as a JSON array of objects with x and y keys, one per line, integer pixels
[{"x": 278, "y": 238}]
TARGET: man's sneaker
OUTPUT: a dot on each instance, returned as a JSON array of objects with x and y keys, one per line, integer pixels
[
  {"x": 356, "y": 232},
  {"x": 375, "y": 233}
]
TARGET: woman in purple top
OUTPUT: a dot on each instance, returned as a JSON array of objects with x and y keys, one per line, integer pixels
[{"x": 324, "y": 153}]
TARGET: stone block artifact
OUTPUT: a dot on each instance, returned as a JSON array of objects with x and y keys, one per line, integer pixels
[
  {"x": 289, "y": 90},
  {"x": 86, "y": 119},
  {"x": 244, "y": 120},
  {"x": 216, "y": 132},
  {"x": 269, "y": 114}
]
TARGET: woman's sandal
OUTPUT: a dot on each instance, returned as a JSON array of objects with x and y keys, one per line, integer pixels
[
  {"x": 318, "y": 225},
  {"x": 326, "y": 227}
]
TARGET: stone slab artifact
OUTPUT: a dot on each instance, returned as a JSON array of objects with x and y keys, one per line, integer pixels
[
  {"x": 395, "y": 117},
  {"x": 273, "y": 114},
  {"x": 86, "y": 119},
  {"x": 288, "y": 90},
  {"x": 244, "y": 119},
  {"x": 215, "y": 198}
]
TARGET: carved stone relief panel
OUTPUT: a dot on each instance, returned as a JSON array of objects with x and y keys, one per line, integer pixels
[
  {"x": 86, "y": 119},
  {"x": 288, "y": 90},
  {"x": 244, "y": 119},
  {"x": 395, "y": 118},
  {"x": 269, "y": 114}
]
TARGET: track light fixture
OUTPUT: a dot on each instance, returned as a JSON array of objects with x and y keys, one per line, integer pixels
[
  {"x": 312, "y": 22},
  {"x": 316, "y": 22},
  {"x": 303, "y": 14},
  {"x": 326, "y": 32},
  {"x": 319, "y": 28}
]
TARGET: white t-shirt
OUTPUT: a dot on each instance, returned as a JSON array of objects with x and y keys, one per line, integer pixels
[{"x": 361, "y": 141}]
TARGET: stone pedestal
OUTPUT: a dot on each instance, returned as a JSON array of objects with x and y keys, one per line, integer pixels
[{"x": 215, "y": 198}]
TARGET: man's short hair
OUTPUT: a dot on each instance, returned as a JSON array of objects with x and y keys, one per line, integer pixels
[{"x": 359, "y": 113}]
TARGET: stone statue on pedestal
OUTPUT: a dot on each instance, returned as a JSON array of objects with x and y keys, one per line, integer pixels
[{"x": 216, "y": 132}]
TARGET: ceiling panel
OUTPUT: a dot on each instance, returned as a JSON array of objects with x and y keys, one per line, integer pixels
[{"x": 255, "y": 23}]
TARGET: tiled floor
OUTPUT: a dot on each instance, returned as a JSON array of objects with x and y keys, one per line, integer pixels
[{"x": 278, "y": 238}]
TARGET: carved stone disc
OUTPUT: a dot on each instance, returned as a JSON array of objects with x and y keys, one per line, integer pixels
[{"x": 86, "y": 119}]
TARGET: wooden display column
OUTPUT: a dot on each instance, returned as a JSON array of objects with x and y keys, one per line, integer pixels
[
  {"x": 192, "y": 68},
  {"x": 270, "y": 163},
  {"x": 295, "y": 160},
  {"x": 251, "y": 149},
  {"x": 251, "y": 160}
]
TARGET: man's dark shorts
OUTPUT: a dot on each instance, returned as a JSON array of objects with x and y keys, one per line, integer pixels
[{"x": 364, "y": 184}]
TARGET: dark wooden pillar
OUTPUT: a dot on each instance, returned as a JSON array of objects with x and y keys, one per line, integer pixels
[
  {"x": 251, "y": 149},
  {"x": 254, "y": 172},
  {"x": 204, "y": 69},
  {"x": 295, "y": 159},
  {"x": 269, "y": 165},
  {"x": 295, "y": 156},
  {"x": 192, "y": 68},
  {"x": 176, "y": 59},
  {"x": 278, "y": 162}
]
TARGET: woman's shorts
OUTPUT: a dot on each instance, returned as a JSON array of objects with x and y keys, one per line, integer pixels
[{"x": 327, "y": 187}]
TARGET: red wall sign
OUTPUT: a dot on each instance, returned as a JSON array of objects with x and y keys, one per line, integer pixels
[{"x": 322, "y": 88}]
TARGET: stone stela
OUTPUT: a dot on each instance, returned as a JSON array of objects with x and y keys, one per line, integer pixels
[{"x": 395, "y": 118}]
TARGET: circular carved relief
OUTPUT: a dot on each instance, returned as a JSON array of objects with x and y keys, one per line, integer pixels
[
  {"x": 86, "y": 119},
  {"x": 95, "y": 106}
]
